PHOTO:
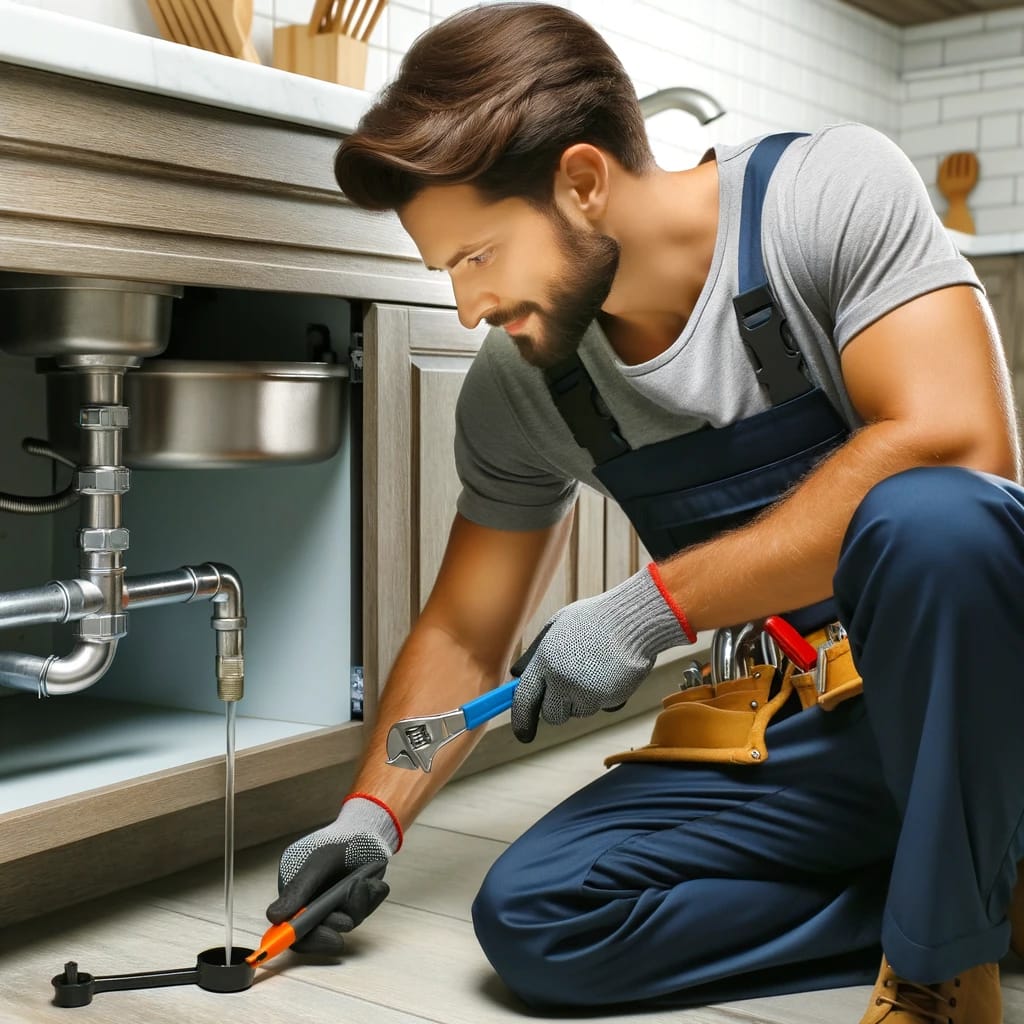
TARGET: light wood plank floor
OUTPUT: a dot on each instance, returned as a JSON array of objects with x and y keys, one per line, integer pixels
[{"x": 414, "y": 960}]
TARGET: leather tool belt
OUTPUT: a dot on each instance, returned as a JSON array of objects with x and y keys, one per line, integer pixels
[{"x": 726, "y": 723}]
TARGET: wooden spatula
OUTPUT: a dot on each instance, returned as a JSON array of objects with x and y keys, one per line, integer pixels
[{"x": 958, "y": 174}]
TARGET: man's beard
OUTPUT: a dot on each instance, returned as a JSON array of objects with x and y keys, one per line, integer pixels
[{"x": 574, "y": 300}]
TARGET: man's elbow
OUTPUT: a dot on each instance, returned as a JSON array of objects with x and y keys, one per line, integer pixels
[{"x": 999, "y": 456}]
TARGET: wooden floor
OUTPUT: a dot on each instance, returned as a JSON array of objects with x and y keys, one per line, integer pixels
[{"x": 414, "y": 960}]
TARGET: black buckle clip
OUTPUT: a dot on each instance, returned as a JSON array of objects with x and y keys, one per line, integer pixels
[
  {"x": 584, "y": 410},
  {"x": 778, "y": 364}
]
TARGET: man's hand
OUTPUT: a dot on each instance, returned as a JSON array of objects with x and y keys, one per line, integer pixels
[
  {"x": 357, "y": 847},
  {"x": 594, "y": 654}
]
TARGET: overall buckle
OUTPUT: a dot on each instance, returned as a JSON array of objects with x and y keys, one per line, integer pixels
[{"x": 777, "y": 361}]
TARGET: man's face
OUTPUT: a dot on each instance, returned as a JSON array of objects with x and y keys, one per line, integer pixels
[{"x": 534, "y": 273}]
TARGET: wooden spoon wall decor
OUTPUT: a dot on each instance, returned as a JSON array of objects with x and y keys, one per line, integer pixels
[{"x": 958, "y": 174}]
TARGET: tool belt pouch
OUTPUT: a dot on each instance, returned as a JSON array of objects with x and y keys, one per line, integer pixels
[
  {"x": 842, "y": 681},
  {"x": 726, "y": 724}
]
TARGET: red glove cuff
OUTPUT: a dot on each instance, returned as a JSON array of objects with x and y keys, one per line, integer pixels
[
  {"x": 652, "y": 568},
  {"x": 384, "y": 807}
]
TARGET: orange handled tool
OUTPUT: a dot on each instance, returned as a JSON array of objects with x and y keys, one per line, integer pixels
[
  {"x": 278, "y": 937},
  {"x": 793, "y": 645}
]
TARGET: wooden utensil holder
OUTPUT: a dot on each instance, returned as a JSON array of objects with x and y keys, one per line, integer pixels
[{"x": 330, "y": 56}]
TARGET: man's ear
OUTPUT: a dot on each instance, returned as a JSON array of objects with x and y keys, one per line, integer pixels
[{"x": 582, "y": 182}]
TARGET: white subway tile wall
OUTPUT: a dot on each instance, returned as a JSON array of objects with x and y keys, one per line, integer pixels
[
  {"x": 963, "y": 88},
  {"x": 773, "y": 64}
]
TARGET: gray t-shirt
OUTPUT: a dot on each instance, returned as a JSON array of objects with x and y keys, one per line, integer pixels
[{"x": 848, "y": 235}]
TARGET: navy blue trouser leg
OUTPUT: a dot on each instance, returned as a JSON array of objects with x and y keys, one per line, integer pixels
[
  {"x": 898, "y": 815},
  {"x": 684, "y": 883},
  {"x": 931, "y": 590}
]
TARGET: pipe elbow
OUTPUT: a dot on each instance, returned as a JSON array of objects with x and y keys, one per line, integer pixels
[
  {"x": 86, "y": 664},
  {"x": 228, "y": 601}
]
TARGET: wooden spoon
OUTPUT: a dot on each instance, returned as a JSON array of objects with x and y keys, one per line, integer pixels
[{"x": 958, "y": 174}]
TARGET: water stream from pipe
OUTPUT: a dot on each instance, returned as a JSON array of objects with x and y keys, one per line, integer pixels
[{"x": 230, "y": 707}]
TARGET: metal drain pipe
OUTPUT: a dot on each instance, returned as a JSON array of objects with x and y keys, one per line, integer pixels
[
  {"x": 98, "y": 602},
  {"x": 99, "y": 329},
  {"x": 101, "y": 481}
]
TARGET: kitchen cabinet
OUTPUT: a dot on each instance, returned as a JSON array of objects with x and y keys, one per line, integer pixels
[{"x": 1003, "y": 278}]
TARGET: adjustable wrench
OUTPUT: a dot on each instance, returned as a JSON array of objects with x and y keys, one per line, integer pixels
[{"x": 413, "y": 742}]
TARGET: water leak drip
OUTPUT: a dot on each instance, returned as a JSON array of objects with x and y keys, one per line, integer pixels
[{"x": 230, "y": 708}]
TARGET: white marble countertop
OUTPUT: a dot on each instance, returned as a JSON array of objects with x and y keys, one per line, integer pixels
[{"x": 85, "y": 49}]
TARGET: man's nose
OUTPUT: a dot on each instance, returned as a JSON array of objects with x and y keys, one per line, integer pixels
[{"x": 473, "y": 304}]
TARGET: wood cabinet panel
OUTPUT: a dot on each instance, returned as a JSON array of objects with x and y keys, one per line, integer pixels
[
  {"x": 116, "y": 183},
  {"x": 437, "y": 381},
  {"x": 414, "y": 362},
  {"x": 1003, "y": 278}
]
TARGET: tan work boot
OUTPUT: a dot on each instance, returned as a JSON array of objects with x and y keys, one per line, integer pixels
[
  {"x": 1017, "y": 914},
  {"x": 973, "y": 997}
]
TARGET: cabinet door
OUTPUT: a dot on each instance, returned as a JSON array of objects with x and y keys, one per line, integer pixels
[
  {"x": 1003, "y": 278},
  {"x": 414, "y": 364}
]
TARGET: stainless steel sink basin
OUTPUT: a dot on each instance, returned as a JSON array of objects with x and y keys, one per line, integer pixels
[
  {"x": 47, "y": 316},
  {"x": 191, "y": 414}
]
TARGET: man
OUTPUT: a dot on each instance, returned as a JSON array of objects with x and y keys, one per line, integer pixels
[{"x": 780, "y": 828}]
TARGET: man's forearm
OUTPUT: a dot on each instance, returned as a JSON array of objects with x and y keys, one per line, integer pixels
[
  {"x": 787, "y": 557},
  {"x": 432, "y": 674}
]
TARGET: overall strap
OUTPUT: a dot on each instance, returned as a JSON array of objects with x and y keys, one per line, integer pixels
[
  {"x": 777, "y": 361},
  {"x": 580, "y": 404}
]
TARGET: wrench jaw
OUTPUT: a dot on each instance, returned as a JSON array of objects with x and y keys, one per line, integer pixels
[{"x": 414, "y": 742}]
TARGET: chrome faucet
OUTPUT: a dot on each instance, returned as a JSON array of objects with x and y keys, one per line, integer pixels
[{"x": 703, "y": 107}]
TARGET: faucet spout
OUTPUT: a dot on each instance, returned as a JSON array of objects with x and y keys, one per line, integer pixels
[{"x": 703, "y": 106}]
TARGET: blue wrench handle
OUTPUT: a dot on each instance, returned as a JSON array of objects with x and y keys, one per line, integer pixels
[{"x": 483, "y": 709}]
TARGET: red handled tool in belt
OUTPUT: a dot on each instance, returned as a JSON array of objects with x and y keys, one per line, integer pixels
[{"x": 793, "y": 645}]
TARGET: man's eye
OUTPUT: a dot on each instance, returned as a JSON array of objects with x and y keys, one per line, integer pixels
[{"x": 480, "y": 258}]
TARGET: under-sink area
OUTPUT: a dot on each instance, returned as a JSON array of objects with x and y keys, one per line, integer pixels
[{"x": 273, "y": 499}]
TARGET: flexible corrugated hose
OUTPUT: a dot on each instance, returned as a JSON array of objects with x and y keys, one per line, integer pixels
[{"x": 46, "y": 503}]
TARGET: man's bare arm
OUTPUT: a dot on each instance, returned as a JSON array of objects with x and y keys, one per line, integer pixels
[
  {"x": 488, "y": 584},
  {"x": 930, "y": 381}
]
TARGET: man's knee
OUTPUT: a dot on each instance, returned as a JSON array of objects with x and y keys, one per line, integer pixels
[
  {"x": 930, "y": 520},
  {"x": 545, "y": 939},
  {"x": 511, "y": 920}
]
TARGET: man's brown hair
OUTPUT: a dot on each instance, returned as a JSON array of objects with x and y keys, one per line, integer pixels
[{"x": 492, "y": 97}]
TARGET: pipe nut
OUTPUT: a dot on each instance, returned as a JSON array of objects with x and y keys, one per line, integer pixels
[
  {"x": 226, "y": 625},
  {"x": 100, "y": 628},
  {"x": 103, "y": 480},
  {"x": 230, "y": 677},
  {"x": 96, "y": 539},
  {"x": 104, "y": 417}
]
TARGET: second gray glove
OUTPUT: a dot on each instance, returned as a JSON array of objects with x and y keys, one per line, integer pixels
[
  {"x": 593, "y": 654},
  {"x": 357, "y": 845}
]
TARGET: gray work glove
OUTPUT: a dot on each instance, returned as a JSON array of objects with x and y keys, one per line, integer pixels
[
  {"x": 593, "y": 654},
  {"x": 357, "y": 845}
]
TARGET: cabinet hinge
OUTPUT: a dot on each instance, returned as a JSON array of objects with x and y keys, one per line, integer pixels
[
  {"x": 355, "y": 360},
  {"x": 356, "y": 685}
]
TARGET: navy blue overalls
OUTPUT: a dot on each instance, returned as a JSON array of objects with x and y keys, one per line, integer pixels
[{"x": 894, "y": 820}]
